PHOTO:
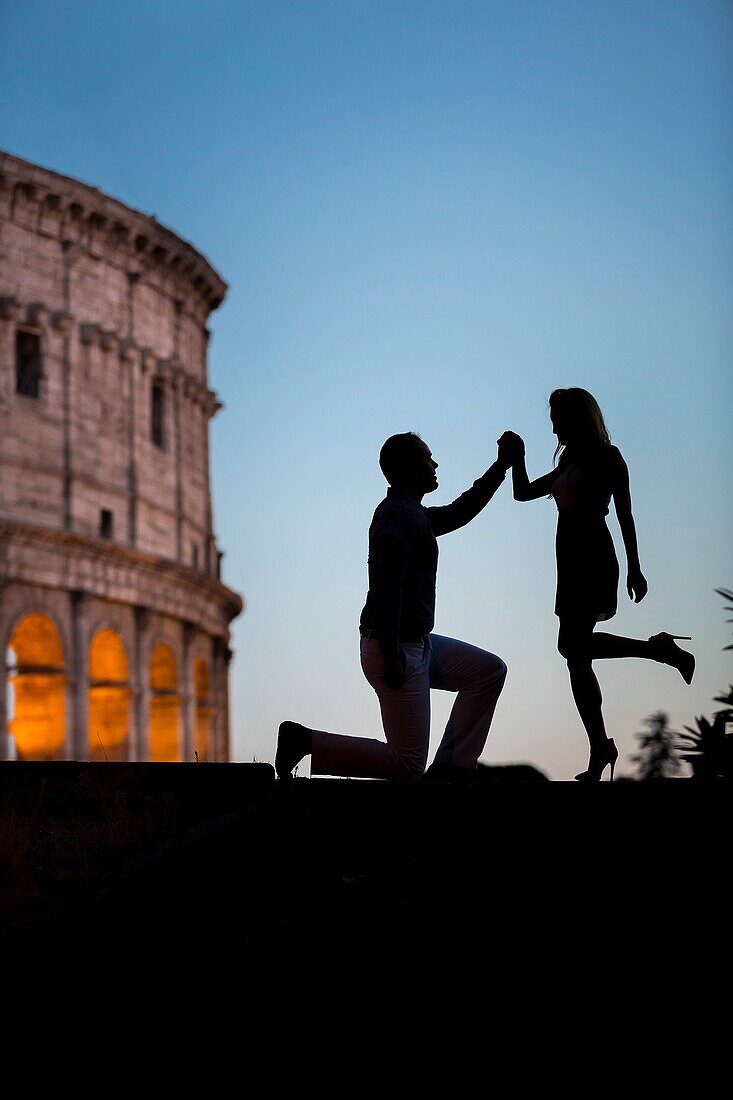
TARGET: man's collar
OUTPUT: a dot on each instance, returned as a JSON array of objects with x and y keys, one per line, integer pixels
[{"x": 401, "y": 494}]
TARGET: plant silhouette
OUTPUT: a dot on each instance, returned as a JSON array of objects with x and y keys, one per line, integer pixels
[
  {"x": 709, "y": 748},
  {"x": 657, "y": 757},
  {"x": 727, "y": 594}
]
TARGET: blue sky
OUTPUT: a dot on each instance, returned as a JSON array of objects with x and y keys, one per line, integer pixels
[{"x": 429, "y": 215}]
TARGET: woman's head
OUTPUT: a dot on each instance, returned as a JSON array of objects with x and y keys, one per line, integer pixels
[{"x": 577, "y": 420}]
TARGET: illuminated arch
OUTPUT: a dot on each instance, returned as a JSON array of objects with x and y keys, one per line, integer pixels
[
  {"x": 109, "y": 697},
  {"x": 38, "y": 690},
  {"x": 203, "y": 707},
  {"x": 165, "y": 706}
]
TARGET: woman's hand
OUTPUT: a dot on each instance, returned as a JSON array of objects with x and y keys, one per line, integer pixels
[
  {"x": 511, "y": 448},
  {"x": 636, "y": 585}
]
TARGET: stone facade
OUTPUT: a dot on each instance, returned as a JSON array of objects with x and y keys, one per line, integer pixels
[{"x": 105, "y": 502}]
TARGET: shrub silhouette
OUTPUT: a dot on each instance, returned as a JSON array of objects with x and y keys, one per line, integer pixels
[
  {"x": 727, "y": 594},
  {"x": 657, "y": 757},
  {"x": 709, "y": 748}
]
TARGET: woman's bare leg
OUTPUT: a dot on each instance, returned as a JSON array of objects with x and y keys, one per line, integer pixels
[
  {"x": 576, "y": 644},
  {"x": 614, "y": 645},
  {"x": 660, "y": 647}
]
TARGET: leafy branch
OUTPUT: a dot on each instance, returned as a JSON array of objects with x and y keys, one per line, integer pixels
[{"x": 727, "y": 594}]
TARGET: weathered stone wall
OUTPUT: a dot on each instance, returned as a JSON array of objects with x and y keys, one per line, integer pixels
[{"x": 120, "y": 305}]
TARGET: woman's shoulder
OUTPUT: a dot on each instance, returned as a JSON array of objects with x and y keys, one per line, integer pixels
[
  {"x": 615, "y": 464},
  {"x": 613, "y": 454}
]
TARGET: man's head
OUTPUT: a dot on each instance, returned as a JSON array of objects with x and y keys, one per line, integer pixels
[{"x": 407, "y": 463}]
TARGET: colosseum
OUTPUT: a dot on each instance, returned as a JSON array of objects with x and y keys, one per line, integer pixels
[{"x": 113, "y": 616}]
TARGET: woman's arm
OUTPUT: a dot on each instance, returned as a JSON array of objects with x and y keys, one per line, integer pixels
[
  {"x": 522, "y": 487},
  {"x": 636, "y": 584}
]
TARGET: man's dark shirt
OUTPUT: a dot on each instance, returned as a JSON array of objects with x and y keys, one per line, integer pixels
[{"x": 403, "y": 560}]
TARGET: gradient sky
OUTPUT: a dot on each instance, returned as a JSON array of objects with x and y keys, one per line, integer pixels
[{"x": 430, "y": 215}]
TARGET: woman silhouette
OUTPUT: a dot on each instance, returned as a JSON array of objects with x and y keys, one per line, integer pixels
[{"x": 590, "y": 472}]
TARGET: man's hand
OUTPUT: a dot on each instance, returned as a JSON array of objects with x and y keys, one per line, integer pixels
[
  {"x": 511, "y": 449},
  {"x": 394, "y": 671}
]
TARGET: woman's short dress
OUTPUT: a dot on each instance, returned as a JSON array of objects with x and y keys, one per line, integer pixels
[{"x": 587, "y": 566}]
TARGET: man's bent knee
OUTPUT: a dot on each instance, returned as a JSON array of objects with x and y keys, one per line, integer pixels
[
  {"x": 496, "y": 669},
  {"x": 408, "y": 769}
]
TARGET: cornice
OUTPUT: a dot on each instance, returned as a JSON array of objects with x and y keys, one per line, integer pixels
[
  {"x": 114, "y": 555},
  {"x": 82, "y": 214}
]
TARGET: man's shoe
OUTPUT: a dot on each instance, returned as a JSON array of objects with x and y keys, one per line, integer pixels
[{"x": 293, "y": 743}]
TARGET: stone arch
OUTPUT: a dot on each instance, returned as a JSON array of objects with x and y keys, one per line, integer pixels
[
  {"x": 20, "y": 600},
  {"x": 109, "y": 697},
  {"x": 37, "y": 689},
  {"x": 165, "y": 705},
  {"x": 202, "y": 689},
  {"x": 118, "y": 618}
]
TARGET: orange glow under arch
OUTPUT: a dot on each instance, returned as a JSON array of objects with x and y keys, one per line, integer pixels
[
  {"x": 109, "y": 698},
  {"x": 165, "y": 705},
  {"x": 38, "y": 687}
]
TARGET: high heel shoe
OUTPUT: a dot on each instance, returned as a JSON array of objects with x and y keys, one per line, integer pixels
[
  {"x": 599, "y": 761},
  {"x": 671, "y": 654}
]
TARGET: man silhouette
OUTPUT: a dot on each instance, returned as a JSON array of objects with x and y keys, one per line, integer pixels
[{"x": 400, "y": 656}]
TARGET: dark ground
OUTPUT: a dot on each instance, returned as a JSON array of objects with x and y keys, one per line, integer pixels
[{"x": 245, "y": 900}]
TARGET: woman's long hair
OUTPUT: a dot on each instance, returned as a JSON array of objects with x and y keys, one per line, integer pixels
[{"x": 581, "y": 421}]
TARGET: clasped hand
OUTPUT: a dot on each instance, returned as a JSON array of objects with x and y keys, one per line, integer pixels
[{"x": 511, "y": 448}]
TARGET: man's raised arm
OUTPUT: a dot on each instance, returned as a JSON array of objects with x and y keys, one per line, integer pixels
[{"x": 464, "y": 508}]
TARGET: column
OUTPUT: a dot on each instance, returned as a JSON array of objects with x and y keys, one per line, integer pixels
[
  {"x": 212, "y": 406},
  {"x": 178, "y": 458},
  {"x": 70, "y": 253},
  {"x": 177, "y": 388},
  {"x": 188, "y": 693},
  {"x": 139, "y": 748},
  {"x": 4, "y": 737},
  {"x": 56, "y": 384},
  {"x": 222, "y": 656},
  {"x": 10, "y": 311},
  {"x": 206, "y": 414},
  {"x": 130, "y": 358},
  {"x": 78, "y": 735},
  {"x": 130, "y": 352}
]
